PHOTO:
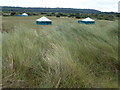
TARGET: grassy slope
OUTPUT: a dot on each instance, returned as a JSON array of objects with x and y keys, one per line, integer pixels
[{"x": 66, "y": 54}]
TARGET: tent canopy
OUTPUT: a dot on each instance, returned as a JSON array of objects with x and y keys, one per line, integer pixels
[
  {"x": 25, "y": 14},
  {"x": 88, "y": 19},
  {"x": 44, "y": 19}
]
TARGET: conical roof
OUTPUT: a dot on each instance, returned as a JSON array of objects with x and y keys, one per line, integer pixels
[
  {"x": 88, "y": 19},
  {"x": 43, "y": 19},
  {"x": 25, "y": 14}
]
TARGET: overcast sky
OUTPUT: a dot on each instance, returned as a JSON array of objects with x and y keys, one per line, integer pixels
[{"x": 102, "y": 5}]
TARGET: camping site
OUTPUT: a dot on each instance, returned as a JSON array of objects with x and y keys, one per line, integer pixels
[{"x": 40, "y": 50}]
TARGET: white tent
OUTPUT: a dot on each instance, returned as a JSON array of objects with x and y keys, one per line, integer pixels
[
  {"x": 43, "y": 21},
  {"x": 87, "y": 21},
  {"x": 24, "y": 14}
]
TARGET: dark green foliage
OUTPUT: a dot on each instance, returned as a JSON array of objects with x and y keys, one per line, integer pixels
[
  {"x": 57, "y": 15},
  {"x": 63, "y": 10},
  {"x": 13, "y": 13}
]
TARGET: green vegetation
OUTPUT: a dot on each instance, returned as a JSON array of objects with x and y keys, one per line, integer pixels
[
  {"x": 99, "y": 16},
  {"x": 61, "y": 12},
  {"x": 42, "y": 9},
  {"x": 65, "y": 54}
]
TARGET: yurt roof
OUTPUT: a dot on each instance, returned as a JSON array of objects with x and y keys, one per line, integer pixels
[
  {"x": 88, "y": 19},
  {"x": 24, "y": 14},
  {"x": 43, "y": 19}
]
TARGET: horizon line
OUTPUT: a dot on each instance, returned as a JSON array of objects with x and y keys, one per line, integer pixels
[{"x": 58, "y": 7}]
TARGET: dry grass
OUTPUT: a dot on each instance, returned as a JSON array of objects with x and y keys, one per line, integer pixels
[{"x": 65, "y": 54}]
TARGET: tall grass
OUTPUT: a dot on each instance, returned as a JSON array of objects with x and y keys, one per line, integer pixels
[{"x": 65, "y": 55}]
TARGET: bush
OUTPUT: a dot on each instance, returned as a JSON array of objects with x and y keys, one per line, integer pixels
[
  {"x": 78, "y": 17},
  {"x": 57, "y": 15}
]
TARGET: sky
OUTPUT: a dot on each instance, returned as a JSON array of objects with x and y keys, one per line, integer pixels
[{"x": 102, "y": 5}]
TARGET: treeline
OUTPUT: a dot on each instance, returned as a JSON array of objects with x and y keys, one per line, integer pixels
[
  {"x": 63, "y": 10},
  {"x": 60, "y": 12},
  {"x": 100, "y": 16}
]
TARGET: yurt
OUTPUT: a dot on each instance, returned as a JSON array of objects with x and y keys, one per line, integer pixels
[
  {"x": 87, "y": 21},
  {"x": 24, "y": 14},
  {"x": 43, "y": 21}
]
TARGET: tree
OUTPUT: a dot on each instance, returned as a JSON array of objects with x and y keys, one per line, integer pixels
[
  {"x": 78, "y": 17},
  {"x": 57, "y": 15},
  {"x": 13, "y": 13}
]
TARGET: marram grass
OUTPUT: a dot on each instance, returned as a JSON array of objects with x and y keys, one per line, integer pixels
[{"x": 64, "y": 55}]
